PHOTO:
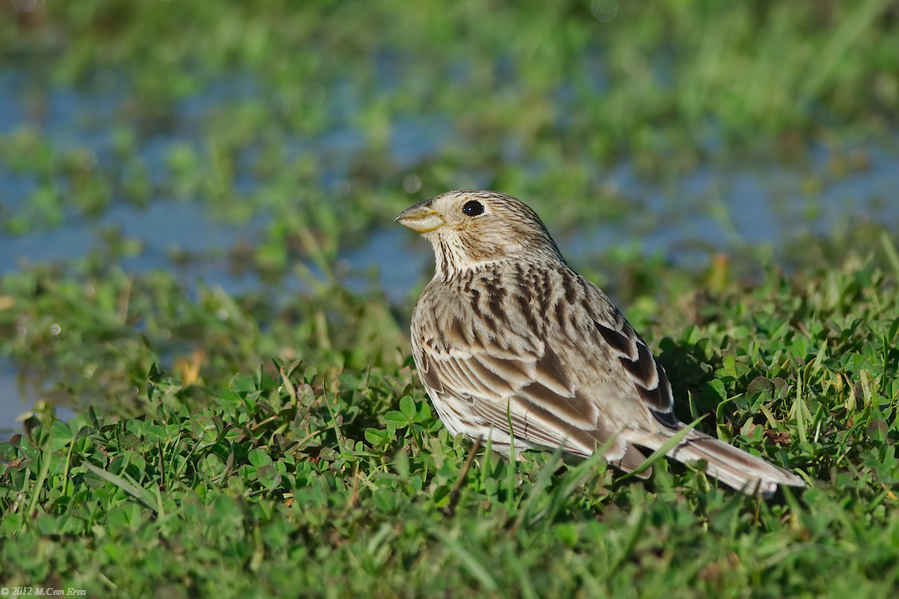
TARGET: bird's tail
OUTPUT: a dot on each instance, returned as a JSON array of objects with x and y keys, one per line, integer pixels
[{"x": 734, "y": 467}]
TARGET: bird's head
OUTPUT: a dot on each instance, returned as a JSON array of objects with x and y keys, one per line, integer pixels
[{"x": 473, "y": 228}]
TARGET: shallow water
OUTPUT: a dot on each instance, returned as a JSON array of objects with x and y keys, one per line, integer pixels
[
  {"x": 13, "y": 406},
  {"x": 713, "y": 209}
]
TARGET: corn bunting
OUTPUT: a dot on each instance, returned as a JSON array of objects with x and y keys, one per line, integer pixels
[{"x": 506, "y": 333}]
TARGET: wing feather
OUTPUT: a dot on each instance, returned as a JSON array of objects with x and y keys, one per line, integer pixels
[
  {"x": 534, "y": 393},
  {"x": 641, "y": 366}
]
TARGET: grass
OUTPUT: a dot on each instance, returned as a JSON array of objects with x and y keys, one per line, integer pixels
[
  {"x": 318, "y": 476},
  {"x": 279, "y": 442}
]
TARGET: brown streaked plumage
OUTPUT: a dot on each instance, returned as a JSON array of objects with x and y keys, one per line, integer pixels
[{"x": 507, "y": 331}]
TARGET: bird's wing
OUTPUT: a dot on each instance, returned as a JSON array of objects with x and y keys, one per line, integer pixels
[
  {"x": 623, "y": 354},
  {"x": 514, "y": 376}
]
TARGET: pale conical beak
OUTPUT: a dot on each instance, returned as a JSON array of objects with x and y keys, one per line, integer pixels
[{"x": 421, "y": 218}]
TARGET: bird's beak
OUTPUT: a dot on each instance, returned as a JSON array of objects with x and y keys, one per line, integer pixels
[{"x": 421, "y": 218}]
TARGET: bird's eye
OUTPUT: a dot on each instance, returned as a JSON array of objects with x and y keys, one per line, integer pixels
[{"x": 473, "y": 208}]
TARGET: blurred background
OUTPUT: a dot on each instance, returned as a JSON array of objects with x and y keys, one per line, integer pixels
[{"x": 204, "y": 185}]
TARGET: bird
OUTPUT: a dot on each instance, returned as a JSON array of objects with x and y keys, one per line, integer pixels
[{"x": 513, "y": 345}]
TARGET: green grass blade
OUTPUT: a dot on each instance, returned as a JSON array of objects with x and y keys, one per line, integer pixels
[
  {"x": 135, "y": 491},
  {"x": 662, "y": 451}
]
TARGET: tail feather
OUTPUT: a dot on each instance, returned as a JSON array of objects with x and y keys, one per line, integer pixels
[{"x": 734, "y": 467}]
